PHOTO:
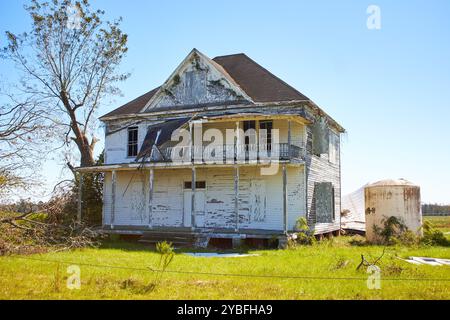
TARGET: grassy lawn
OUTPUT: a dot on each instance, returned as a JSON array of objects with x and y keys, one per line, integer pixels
[
  {"x": 441, "y": 223},
  {"x": 31, "y": 279}
]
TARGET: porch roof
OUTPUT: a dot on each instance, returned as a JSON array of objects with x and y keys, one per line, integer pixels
[{"x": 170, "y": 165}]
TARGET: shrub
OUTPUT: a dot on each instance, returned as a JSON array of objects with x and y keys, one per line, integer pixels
[
  {"x": 395, "y": 232},
  {"x": 304, "y": 235}
]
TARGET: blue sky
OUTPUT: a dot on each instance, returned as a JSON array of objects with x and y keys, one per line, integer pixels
[{"x": 390, "y": 88}]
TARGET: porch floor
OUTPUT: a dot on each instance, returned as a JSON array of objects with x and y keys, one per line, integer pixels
[{"x": 197, "y": 232}]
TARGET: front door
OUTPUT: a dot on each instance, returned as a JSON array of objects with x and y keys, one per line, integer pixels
[{"x": 200, "y": 214}]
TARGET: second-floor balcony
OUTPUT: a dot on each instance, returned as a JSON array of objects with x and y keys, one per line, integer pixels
[{"x": 229, "y": 153}]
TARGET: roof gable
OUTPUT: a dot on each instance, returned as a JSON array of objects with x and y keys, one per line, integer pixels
[{"x": 197, "y": 81}]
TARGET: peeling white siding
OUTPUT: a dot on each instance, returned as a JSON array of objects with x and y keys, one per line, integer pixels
[
  {"x": 168, "y": 197},
  {"x": 320, "y": 169},
  {"x": 116, "y": 142},
  {"x": 260, "y": 198}
]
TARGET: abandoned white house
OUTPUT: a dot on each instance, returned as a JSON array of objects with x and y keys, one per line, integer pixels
[{"x": 223, "y": 149}]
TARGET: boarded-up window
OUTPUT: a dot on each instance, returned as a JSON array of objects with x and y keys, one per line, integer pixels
[
  {"x": 320, "y": 137},
  {"x": 324, "y": 199},
  {"x": 333, "y": 149}
]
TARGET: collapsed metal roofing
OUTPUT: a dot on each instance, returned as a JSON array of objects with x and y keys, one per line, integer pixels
[{"x": 159, "y": 134}]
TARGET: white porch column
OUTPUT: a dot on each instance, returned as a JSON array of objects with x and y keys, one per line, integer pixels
[
  {"x": 191, "y": 131},
  {"x": 289, "y": 139},
  {"x": 150, "y": 197},
  {"x": 236, "y": 196},
  {"x": 113, "y": 197},
  {"x": 238, "y": 143},
  {"x": 193, "y": 182},
  {"x": 80, "y": 197},
  {"x": 285, "y": 209}
]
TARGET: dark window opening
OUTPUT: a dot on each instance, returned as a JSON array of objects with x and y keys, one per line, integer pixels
[
  {"x": 198, "y": 185},
  {"x": 268, "y": 126},
  {"x": 132, "y": 141},
  {"x": 248, "y": 125}
]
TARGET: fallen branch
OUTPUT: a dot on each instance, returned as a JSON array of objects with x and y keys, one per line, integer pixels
[{"x": 366, "y": 263}]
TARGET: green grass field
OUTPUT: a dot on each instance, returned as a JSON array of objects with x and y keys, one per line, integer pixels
[
  {"x": 442, "y": 223},
  {"x": 326, "y": 270}
]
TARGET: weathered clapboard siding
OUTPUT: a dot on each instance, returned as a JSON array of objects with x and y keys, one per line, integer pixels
[
  {"x": 320, "y": 169},
  {"x": 107, "y": 191},
  {"x": 116, "y": 140},
  {"x": 260, "y": 198},
  {"x": 167, "y": 208},
  {"x": 129, "y": 203},
  {"x": 296, "y": 195},
  {"x": 219, "y": 207}
]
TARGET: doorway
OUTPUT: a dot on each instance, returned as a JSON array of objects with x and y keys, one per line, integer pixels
[{"x": 200, "y": 199}]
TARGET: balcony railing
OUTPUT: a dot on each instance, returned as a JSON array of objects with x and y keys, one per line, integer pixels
[{"x": 231, "y": 153}]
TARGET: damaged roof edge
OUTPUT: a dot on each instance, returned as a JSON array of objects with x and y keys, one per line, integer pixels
[
  {"x": 320, "y": 112},
  {"x": 163, "y": 113},
  {"x": 262, "y": 87}
]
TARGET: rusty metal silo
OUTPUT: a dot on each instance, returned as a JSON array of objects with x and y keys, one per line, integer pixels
[{"x": 386, "y": 198}]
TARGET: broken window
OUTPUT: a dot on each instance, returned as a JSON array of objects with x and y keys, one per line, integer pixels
[
  {"x": 132, "y": 141},
  {"x": 324, "y": 202}
]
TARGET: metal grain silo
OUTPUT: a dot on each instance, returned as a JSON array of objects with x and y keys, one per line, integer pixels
[{"x": 386, "y": 198}]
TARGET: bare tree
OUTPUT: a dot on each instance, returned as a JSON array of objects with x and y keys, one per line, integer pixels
[
  {"x": 23, "y": 137},
  {"x": 69, "y": 63}
]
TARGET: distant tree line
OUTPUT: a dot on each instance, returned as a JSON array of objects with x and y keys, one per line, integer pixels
[{"x": 435, "y": 209}]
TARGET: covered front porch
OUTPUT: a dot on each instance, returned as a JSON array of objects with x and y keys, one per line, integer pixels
[{"x": 234, "y": 201}]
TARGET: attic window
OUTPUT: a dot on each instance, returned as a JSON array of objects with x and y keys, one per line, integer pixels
[{"x": 132, "y": 141}]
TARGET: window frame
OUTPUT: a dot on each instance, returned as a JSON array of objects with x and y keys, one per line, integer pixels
[
  {"x": 199, "y": 185},
  {"x": 247, "y": 125},
  {"x": 262, "y": 126},
  {"x": 333, "y": 147},
  {"x": 132, "y": 143}
]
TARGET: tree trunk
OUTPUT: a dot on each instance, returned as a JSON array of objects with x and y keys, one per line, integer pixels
[
  {"x": 86, "y": 149},
  {"x": 87, "y": 155}
]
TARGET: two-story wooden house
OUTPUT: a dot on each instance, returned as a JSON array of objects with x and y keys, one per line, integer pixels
[{"x": 222, "y": 149}]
